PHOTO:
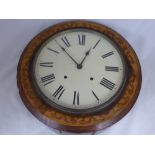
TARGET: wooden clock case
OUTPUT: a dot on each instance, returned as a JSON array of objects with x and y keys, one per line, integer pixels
[{"x": 87, "y": 122}]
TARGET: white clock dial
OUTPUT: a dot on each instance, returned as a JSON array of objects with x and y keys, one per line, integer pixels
[{"x": 79, "y": 69}]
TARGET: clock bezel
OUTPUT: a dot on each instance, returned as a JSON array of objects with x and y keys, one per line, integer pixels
[
  {"x": 92, "y": 110},
  {"x": 68, "y": 122}
]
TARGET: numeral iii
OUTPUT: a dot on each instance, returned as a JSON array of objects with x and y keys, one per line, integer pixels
[{"x": 110, "y": 68}]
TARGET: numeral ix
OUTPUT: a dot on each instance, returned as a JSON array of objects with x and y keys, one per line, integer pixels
[{"x": 46, "y": 64}]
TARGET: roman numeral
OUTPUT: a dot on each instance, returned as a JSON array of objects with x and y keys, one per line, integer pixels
[
  {"x": 76, "y": 98},
  {"x": 82, "y": 39},
  {"x": 53, "y": 50},
  {"x": 95, "y": 95},
  {"x": 96, "y": 44},
  {"x": 47, "y": 79},
  {"x": 66, "y": 42},
  {"x": 107, "y": 54},
  {"x": 58, "y": 93},
  {"x": 106, "y": 83},
  {"x": 46, "y": 64},
  {"x": 110, "y": 68}
]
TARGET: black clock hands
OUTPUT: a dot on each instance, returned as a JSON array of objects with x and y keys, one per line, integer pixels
[
  {"x": 63, "y": 49},
  {"x": 79, "y": 66}
]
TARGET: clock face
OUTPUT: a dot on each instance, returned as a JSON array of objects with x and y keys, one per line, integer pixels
[{"x": 79, "y": 71}]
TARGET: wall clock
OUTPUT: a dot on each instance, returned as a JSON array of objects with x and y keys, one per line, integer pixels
[{"x": 79, "y": 76}]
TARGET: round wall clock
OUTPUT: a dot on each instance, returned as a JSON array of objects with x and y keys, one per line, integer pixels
[{"x": 79, "y": 76}]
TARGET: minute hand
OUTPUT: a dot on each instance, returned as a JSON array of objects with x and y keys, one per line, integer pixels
[
  {"x": 63, "y": 49},
  {"x": 69, "y": 55}
]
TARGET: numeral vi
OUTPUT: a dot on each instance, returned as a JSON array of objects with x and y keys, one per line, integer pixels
[{"x": 76, "y": 98}]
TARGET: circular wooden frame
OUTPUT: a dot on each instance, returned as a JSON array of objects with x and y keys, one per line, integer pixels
[{"x": 78, "y": 123}]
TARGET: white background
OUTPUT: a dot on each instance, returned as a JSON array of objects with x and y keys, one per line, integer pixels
[{"x": 16, "y": 119}]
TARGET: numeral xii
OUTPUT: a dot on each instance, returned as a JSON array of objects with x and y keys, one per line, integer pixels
[{"x": 82, "y": 39}]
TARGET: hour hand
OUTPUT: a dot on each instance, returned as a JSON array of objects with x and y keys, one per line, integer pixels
[{"x": 86, "y": 54}]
